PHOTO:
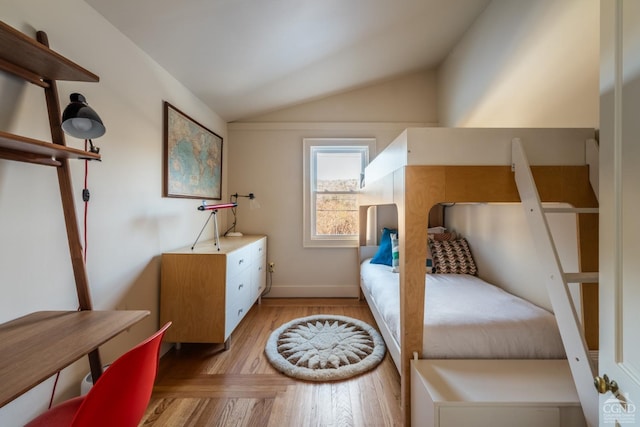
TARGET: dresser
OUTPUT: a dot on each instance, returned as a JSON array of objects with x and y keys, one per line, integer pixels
[
  {"x": 494, "y": 393},
  {"x": 206, "y": 291}
]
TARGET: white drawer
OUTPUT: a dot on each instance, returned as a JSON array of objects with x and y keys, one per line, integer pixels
[
  {"x": 238, "y": 286},
  {"x": 259, "y": 279},
  {"x": 499, "y": 416},
  {"x": 237, "y": 299},
  {"x": 233, "y": 316},
  {"x": 259, "y": 249},
  {"x": 238, "y": 260}
]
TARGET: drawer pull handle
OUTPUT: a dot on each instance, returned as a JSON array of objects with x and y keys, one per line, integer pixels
[
  {"x": 240, "y": 286},
  {"x": 241, "y": 261},
  {"x": 240, "y": 312}
]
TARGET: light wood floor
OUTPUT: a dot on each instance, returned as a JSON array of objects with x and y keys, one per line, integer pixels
[{"x": 200, "y": 386}]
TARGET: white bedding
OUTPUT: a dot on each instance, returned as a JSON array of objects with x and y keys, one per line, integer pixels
[{"x": 466, "y": 317}]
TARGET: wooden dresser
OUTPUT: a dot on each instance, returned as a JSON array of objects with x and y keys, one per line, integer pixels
[{"x": 207, "y": 291}]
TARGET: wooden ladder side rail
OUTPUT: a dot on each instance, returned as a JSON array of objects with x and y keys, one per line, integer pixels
[
  {"x": 69, "y": 209},
  {"x": 564, "y": 310}
]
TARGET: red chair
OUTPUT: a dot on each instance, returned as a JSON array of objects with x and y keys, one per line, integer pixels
[{"x": 119, "y": 397}]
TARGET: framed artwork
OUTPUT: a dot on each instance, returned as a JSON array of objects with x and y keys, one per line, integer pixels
[{"x": 192, "y": 158}]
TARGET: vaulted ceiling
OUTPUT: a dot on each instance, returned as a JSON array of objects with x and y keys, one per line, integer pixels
[{"x": 248, "y": 57}]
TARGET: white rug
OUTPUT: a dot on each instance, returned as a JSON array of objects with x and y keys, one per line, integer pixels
[{"x": 325, "y": 347}]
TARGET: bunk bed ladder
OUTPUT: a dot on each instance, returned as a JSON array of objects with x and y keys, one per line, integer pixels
[{"x": 557, "y": 283}]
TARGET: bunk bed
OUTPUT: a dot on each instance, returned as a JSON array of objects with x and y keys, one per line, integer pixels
[{"x": 426, "y": 167}]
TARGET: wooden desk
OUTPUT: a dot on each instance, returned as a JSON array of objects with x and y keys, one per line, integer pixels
[{"x": 36, "y": 346}]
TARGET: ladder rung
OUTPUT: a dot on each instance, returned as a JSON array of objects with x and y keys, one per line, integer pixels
[
  {"x": 590, "y": 277},
  {"x": 570, "y": 210}
]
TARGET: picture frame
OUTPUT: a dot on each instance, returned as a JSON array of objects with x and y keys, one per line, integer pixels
[{"x": 192, "y": 161}]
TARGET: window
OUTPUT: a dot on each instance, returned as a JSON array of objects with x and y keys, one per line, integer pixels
[{"x": 333, "y": 171}]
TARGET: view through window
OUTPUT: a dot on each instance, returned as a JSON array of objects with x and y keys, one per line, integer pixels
[
  {"x": 337, "y": 181},
  {"x": 335, "y": 170}
]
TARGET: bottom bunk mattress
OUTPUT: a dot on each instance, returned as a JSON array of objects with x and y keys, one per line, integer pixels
[{"x": 466, "y": 317}]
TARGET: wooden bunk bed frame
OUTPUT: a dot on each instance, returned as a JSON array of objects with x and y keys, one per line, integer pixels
[{"x": 425, "y": 167}]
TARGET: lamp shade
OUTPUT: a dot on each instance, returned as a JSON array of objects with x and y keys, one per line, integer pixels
[{"x": 80, "y": 120}]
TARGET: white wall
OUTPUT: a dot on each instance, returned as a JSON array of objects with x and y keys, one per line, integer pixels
[
  {"x": 130, "y": 224},
  {"x": 408, "y": 98},
  {"x": 265, "y": 157},
  {"x": 504, "y": 250},
  {"x": 524, "y": 63}
]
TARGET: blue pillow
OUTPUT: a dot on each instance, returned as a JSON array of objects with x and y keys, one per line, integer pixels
[{"x": 383, "y": 256}]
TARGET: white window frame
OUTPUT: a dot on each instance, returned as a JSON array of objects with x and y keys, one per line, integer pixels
[{"x": 310, "y": 240}]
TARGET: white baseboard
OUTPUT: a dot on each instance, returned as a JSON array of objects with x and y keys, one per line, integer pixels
[{"x": 347, "y": 291}]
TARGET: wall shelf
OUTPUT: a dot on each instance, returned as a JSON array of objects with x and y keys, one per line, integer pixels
[
  {"x": 25, "y": 57},
  {"x": 20, "y": 148}
]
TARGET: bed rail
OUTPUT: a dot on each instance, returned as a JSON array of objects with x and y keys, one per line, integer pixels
[{"x": 478, "y": 147}]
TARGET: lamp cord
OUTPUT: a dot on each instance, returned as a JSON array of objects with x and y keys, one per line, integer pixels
[
  {"x": 85, "y": 198},
  {"x": 53, "y": 392},
  {"x": 233, "y": 226},
  {"x": 235, "y": 218},
  {"x": 269, "y": 283}
]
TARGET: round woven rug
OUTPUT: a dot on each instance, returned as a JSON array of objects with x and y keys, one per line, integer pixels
[{"x": 325, "y": 348}]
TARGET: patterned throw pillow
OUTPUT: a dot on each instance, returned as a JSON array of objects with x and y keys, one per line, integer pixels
[
  {"x": 438, "y": 234},
  {"x": 452, "y": 256}
]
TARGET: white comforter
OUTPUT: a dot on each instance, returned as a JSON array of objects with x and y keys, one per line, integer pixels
[{"x": 466, "y": 317}]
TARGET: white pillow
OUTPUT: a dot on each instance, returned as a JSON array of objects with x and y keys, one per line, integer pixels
[{"x": 436, "y": 230}]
